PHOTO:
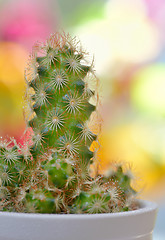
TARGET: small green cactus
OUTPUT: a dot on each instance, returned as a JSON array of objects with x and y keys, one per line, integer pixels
[{"x": 51, "y": 173}]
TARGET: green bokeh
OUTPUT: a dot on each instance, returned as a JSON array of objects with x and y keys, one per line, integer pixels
[{"x": 75, "y": 12}]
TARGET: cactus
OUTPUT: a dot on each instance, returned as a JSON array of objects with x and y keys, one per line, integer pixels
[{"x": 51, "y": 173}]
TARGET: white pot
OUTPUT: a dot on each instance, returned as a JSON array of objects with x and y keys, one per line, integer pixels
[{"x": 132, "y": 225}]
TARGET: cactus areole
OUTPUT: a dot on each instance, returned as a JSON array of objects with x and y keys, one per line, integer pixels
[{"x": 51, "y": 172}]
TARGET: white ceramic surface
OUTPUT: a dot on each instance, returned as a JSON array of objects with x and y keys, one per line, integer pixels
[{"x": 133, "y": 225}]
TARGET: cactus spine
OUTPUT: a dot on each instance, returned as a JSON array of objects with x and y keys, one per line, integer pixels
[{"x": 51, "y": 175}]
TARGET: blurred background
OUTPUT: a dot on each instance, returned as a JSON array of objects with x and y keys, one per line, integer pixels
[{"x": 127, "y": 39}]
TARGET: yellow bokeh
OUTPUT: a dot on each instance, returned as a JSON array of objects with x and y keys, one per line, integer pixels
[
  {"x": 147, "y": 89},
  {"x": 122, "y": 144},
  {"x": 12, "y": 64}
]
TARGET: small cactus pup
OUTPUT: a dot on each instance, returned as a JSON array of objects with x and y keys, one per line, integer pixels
[
  {"x": 54, "y": 174},
  {"x": 16, "y": 168}
]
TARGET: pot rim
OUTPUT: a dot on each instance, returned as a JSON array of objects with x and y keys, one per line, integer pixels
[{"x": 145, "y": 207}]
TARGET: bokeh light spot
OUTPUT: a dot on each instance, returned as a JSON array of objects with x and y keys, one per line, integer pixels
[{"x": 148, "y": 89}]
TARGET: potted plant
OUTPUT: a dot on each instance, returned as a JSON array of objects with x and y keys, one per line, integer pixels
[{"x": 46, "y": 188}]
